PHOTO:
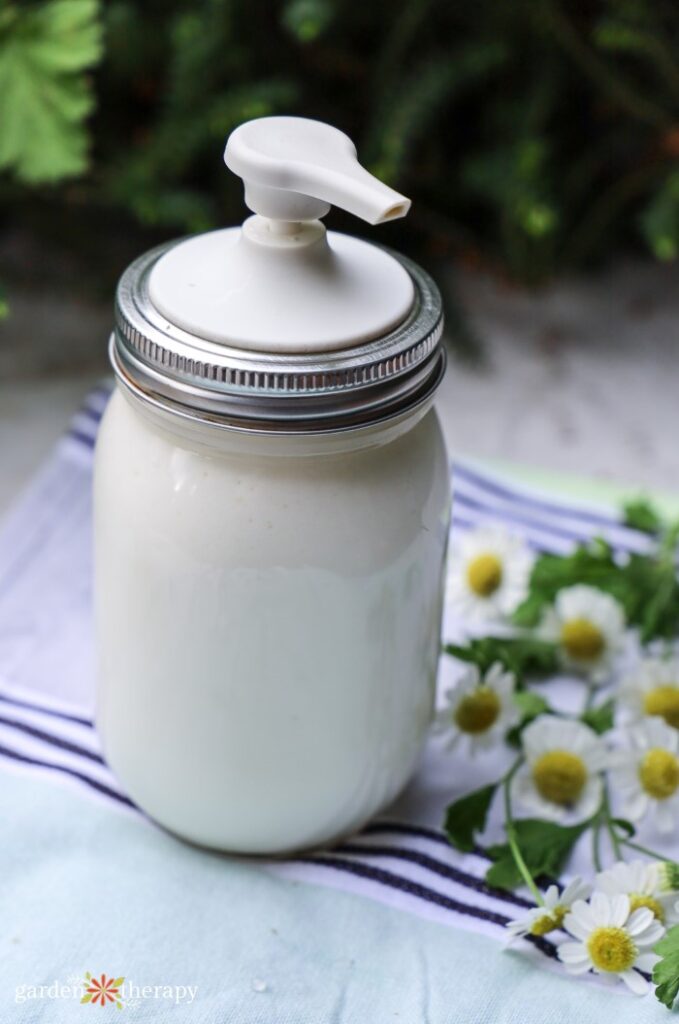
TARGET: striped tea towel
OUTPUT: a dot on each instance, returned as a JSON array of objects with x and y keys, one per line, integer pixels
[{"x": 91, "y": 884}]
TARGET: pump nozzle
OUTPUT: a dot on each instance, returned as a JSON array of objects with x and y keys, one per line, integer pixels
[{"x": 295, "y": 169}]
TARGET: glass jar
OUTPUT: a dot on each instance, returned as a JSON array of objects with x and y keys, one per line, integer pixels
[{"x": 268, "y": 576}]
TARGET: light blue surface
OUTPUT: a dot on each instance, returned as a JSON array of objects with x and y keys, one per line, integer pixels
[{"x": 84, "y": 887}]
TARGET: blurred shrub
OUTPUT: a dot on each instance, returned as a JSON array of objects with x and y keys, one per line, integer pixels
[
  {"x": 44, "y": 97},
  {"x": 534, "y": 135}
]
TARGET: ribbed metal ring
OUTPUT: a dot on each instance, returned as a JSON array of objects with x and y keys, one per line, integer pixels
[{"x": 308, "y": 392}]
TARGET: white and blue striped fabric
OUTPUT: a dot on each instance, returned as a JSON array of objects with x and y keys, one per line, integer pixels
[{"x": 402, "y": 859}]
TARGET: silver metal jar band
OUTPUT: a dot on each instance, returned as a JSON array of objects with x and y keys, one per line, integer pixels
[{"x": 207, "y": 381}]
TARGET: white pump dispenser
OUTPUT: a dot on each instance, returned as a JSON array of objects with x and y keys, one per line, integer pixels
[
  {"x": 281, "y": 283},
  {"x": 294, "y": 169}
]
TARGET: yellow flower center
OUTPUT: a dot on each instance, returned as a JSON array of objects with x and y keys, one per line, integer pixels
[
  {"x": 611, "y": 949},
  {"x": 638, "y": 899},
  {"x": 560, "y": 777},
  {"x": 548, "y": 922},
  {"x": 659, "y": 773},
  {"x": 484, "y": 574},
  {"x": 663, "y": 701},
  {"x": 478, "y": 711},
  {"x": 582, "y": 640}
]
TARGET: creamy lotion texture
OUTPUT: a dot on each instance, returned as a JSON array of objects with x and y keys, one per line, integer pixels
[{"x": 268, "y": 623}]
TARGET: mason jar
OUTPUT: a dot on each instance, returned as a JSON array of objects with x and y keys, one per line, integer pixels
[{"x": 270, "y": 538}]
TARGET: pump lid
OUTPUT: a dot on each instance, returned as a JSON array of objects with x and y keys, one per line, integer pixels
[
  {"x": 295, "y": 169},
  {"x": 281, "y": 283},
  {"x": 278, "y": 326}
]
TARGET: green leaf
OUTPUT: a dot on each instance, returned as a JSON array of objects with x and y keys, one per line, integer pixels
[
  {"x": 86, "y": 998},
  {"x": 660, "y": 615},
  {"x": 529, "y": 613},
  {"x": 625, "y": 825},
  {"x": 652, "y": 599},
  {"x": 659, "y": 221},
  {"x": 530, "y": 705},
  {"x": 503, "y": 874},
  {"x": 44, "y": 94},
  {"x": 544, "y": 846},
  {"x": 307, "y": 20},
  {"x": 645, "y": 585},
  {"x": 523, "y": 657},
  {"x": 666, "y": 971},
  {"x": 600, "y": 719},
  {"x": 640, "y": 514},
  {"x": 67, "y": 35},
  {"x": 593, "y": 564},
  {"x": 467, "y": 816},
  {"x": 512, "y": 176}
]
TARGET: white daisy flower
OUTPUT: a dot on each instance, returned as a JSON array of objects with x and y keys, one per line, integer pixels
[
  {"x": 646, "y": 773},
  {"x": 479, "y": 709},
  {"x": 561, "y": 777},
  {"x": 612, "y": 940},
  {"x": 589, "y": 627},
  {"x": 652, "y": 690},
  {"x": 544, "y": 919},
  {"x": 489, "y": 574},
  {"x": 645, "y": 883}
]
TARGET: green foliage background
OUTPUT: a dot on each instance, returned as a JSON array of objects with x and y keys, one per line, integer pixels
[{"x": 534, "y": 135}]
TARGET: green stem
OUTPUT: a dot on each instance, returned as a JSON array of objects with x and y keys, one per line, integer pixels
[
  {"x": 645, "y": 850},
  {"x": 606, "y": 810},
  {"x": 521, "y": 865},
  {"x": 596, "y": 844}
]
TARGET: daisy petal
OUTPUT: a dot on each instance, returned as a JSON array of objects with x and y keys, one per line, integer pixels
[
  {"x": 577, "y": 889},
  {"x": 619, "y": 910},
  {"x": 584, "y": 913},
  {"x": 653, "y": 934},
  {"x": 551, "y": 897},
  {"x": 639, "y": 920},
  {"x": 590, "y": 799},
  {"x": 646, "y": 961},
  {"x": 572, "y": 952},
  {"x": 576, "y": 928},
  {"x": 579, "y": 968},
  {"x": 664, "y": 817},
  {"x": 601, "y": 909},
  {"x": 635, "y": 982},
  {"x": 636, "y": 806}
]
